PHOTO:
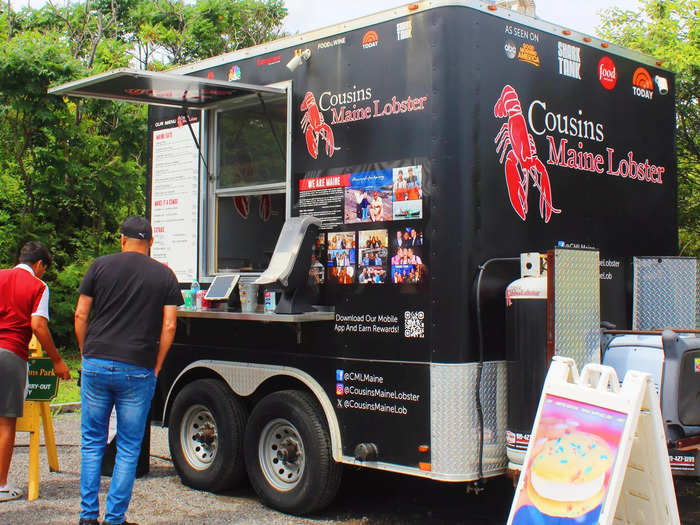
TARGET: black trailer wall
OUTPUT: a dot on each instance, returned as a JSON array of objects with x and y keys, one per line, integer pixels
[
  {"x": 406, "y": 109},
  {"x": 420, "y": 91}
]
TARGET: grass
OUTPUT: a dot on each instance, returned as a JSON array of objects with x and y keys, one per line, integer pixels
[{"x": 69, "y": 391}]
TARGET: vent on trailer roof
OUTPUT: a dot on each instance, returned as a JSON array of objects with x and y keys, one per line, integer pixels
[{"x": 526, "y": 7}]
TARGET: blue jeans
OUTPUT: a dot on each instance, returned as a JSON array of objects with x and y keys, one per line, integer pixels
[{"x": 129, "y": 388}]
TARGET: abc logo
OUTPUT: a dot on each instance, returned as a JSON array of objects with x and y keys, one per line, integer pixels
[{"x": 510, "y": 49}]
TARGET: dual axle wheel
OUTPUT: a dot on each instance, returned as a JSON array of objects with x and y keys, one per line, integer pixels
[{"x": 284, "y": 445}]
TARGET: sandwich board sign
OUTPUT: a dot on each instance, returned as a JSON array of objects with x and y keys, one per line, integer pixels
[{"x": 597, "y": 454}]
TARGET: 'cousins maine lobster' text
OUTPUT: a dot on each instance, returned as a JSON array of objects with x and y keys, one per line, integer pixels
[
  {"x": 573, "y": 154},
  {"x": 566, "y": 149},
  {"x": 350, "y": 106}
]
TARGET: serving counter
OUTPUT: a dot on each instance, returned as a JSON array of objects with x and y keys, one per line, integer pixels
[{"x": 213, "y": 313}]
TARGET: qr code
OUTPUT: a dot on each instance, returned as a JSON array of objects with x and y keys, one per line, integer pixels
[{"x": 414, "y": 324}]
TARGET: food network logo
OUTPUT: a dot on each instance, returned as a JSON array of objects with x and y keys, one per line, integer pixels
[{"x": 607, "y": 73}]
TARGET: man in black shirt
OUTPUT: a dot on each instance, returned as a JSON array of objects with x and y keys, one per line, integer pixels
[{"x": 133, "y": 300}]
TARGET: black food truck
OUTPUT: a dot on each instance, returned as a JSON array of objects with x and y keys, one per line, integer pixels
[{"x": 418, "y": 152}]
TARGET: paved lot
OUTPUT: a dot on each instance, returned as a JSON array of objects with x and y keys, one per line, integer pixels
[{"x": 365, "y": 497}]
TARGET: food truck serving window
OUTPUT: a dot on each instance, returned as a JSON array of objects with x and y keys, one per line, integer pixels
[
  {"x": 245, "y": 137},
  {"x": 250, "y": 160}
]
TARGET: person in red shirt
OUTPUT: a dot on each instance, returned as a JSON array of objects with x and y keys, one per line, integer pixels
[{"x": 24, "y": 309}]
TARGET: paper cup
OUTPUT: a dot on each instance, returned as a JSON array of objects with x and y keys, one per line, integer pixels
[
  {"x": 188, "y": 296},
  {"x": 249, "y": 296}
]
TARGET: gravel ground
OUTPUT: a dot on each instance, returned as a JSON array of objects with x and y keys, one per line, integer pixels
[
  {"x": 365, "y": 498},
  {"x": 158, "y": 498}
]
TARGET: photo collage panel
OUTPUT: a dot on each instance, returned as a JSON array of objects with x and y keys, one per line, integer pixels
[
  {"x": 368, "y": 197},
  {"x": 342, "y": 256},
  {"x": 317, "y": 271},
  {"x": 373, "y": 252},
  {"x": 407, "y": 193},
  {"x": 406, "y": 252}
]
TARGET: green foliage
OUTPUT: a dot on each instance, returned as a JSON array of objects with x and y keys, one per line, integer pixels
[
  {"x": 64, "y": 296},
  {"x": 187, "y": 32},
  {"x": 71, "y": 170},
  {"x": 669, "y": 30}
]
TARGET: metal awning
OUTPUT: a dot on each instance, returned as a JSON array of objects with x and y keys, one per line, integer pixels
[{"x": 160, "y": 89}]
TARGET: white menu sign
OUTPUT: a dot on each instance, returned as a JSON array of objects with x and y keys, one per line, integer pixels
[{"x": 174, "y": 200}]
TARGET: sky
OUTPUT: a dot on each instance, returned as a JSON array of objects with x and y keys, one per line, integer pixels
[
  {"x": 306, "y": 15},
  {"x": 579, "y": 15}
]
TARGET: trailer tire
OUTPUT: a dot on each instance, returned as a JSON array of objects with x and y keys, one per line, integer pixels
[
  {"x": 288, "y": 453},
  {"x": 205, "y": 435}
]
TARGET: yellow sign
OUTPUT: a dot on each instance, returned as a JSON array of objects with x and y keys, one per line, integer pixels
[{"x": 528, "y": 54}]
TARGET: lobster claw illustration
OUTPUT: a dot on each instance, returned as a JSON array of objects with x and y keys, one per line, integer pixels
[
  {"x": 242, "y": 205},
  {"x": 516, "y": 185},
  {"x": 265, "y": 207},
  {"x": 521, "y": 160},
  {"x": 314, "y": 127},
  {"x": 539, "y": 173}
]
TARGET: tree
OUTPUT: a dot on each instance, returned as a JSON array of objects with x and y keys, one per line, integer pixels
[
  {"x": 669, "y": 30},
  {"x": 70, "y": 169},
  {"x": 186, "y": 32},
  {"x": 68, "y": 180}
]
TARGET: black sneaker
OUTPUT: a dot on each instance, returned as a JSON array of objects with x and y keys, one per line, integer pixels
[
  {"x": 122, "y": 523},
  {"x": 85, "y": 521}
]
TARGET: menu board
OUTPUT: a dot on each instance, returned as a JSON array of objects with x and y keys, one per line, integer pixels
[{"x": 174, "y": 200}]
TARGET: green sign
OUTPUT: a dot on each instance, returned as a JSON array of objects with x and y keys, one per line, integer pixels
[{"x": 43, "y": 382}]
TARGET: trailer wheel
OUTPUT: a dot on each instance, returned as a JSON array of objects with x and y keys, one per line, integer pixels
[
  {"x": 205, "y": 435},
  {"x": 288, "y": 453}
]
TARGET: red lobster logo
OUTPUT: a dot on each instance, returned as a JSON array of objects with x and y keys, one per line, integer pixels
[
  {"x": 521, "y": 161},
  {"x": 313, "y": 125}
]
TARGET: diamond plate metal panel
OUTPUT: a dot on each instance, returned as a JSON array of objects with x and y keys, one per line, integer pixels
[
  {"x": 666, "y": 293},
  {"x": 455, "y": 430},
  {"x": 577, "y": 305}
]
